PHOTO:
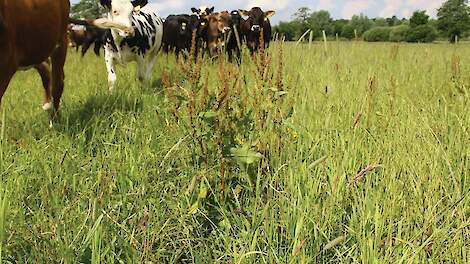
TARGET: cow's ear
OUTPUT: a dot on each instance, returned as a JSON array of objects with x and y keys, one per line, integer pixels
[
  {"x": 244, "y": 13},
  {"x": 195, "y": 10},
  {"x": 210, "y": 10},
  {"x": 269, "y": 14},
  {"x": 106, "y": 3},
  {"x": 140, "y": 3}
]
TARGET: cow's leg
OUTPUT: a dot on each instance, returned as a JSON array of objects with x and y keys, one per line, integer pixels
[
  {"x": 143, "y": 73},
  {"x": 5, "y": 77},
  {"x": 85, "y": 47},
  {"x": 146, "y": 68},
  {"x": 239, "y": 56},
  {"x": 58, "y": 61},
  {"x": 97, "y": 48},
  {"x": 44, "y": 71},
  {"x": 109, "y": 59},
  {"x": 230, "y": 55}
]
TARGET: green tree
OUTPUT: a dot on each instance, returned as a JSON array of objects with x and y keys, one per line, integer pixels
[
  {"x": 399, "y": 33},
  {"x": 380, "y": 22},
  {"x": 338, "y": 26},
  {"x": 89, "y": 9},
  {"x": 348, "y": 32},
  {"x": 419, "y": 18},
  {"x": 421, "y": 34},
  {"x": 377, "y": 34},
  {"x": 361, "y": 23},
  {"x": 301, "y": 17},
  {"x": 290, "y": 30},
  {"x": 319, "y": 21},
  {"x": 393, "y": 21},
  {"x": 454, "y": 18}
]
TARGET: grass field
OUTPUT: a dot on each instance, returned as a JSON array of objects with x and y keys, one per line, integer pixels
[{"x": 363, "y": 156}]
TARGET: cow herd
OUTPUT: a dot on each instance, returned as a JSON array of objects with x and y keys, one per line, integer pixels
[
  {"x": 216, "y": 32},
  {"x": 132, "y": 31}
]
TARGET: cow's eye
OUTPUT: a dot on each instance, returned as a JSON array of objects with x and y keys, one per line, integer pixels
[{"x": 115, "y": 12}]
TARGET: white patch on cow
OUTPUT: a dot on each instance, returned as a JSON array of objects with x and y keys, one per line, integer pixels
[
  {"x": 47, "y": 106},
  {"x": 109, "y": 59},
  {"x": 255, "y": 27}
]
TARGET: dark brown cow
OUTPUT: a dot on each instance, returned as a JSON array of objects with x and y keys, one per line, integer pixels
[
  {"x": 86, "y": 37},
  {"x": 257, "y": 22},
  {"x": 31, "y": 31},
  {"x": 77, "y": 37}
]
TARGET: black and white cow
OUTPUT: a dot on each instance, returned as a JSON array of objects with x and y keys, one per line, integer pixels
[
  {"x": 135, "y": 35},
  {"x": 202, "y": 11}
]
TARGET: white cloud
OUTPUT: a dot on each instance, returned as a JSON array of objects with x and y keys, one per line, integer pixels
[
  {"x": 268, "y": 4},
  {"x": 325, "y": 4},
  {"x": 391, "y": 8},
  {"x": 406, "y": 8},
  {"x": 355, "y": 7},
  {"x": 167, "y": 5}
]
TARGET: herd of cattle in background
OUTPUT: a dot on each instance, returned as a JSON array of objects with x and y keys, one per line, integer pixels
[
  {"x": 214, "y": 32},
  {"x": 132, "y": 31}
]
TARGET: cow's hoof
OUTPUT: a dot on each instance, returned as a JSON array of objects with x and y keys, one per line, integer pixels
[
  {"x": 47, "y": 106},
  {"x": 51, "y": 125}
]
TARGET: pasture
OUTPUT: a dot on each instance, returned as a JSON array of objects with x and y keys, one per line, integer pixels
[{"x": 359, "y": 153}]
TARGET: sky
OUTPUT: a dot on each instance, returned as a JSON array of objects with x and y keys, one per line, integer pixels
[{"x": 286, "y": 8}]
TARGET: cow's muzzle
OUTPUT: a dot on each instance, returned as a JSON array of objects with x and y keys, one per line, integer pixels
[
  {"x": 123, "y": 30},
  {"x": 255, "y": 28}
]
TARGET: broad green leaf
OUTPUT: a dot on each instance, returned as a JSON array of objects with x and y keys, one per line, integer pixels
[
  {"x": 245, "y": 155},
  {"x": 202, "y": 192},
  {"x": 209, "y": 114},
  {"x": 193, "y": 209}
]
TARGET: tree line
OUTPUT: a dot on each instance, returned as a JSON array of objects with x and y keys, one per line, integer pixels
[{"x": 452, "y": 23}]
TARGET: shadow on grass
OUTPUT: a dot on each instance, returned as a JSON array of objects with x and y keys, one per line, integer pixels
[{"x": 100, "y": 112}]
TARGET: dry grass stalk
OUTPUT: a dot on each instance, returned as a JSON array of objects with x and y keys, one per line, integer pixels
[
  {"x": 393, "y": 93},
  {"x": 357, "y": 120},
  {"x": 363, "y": 173},
  {"x": 394, "y": 51},
  {"x": 371, "y": 92}
]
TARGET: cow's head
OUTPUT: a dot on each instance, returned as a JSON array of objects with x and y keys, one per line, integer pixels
[
  {"x": 225, "y": 21},
  {"x": 256, "y": 17},
  {"x": 120, "y": 15},
  {"x": 236, "y": 17},
  {"x": 214, "y": 30},
  {"x": 202, "y": 11}
]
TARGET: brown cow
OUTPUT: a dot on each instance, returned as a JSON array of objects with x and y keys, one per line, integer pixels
[
  {"x": 217, "y": 25},
  {"x": 31, "y": 31}
]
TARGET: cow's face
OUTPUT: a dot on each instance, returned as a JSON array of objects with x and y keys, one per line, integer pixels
[
  {"x": 225, "y": 22},
  {"x": 236, "y": 17},
  {"x": 202, "y": 11},
  {"x": 257, "y": 17},
  {"x": 120, "y": 16},
  {"x": 215, "y": 27}
]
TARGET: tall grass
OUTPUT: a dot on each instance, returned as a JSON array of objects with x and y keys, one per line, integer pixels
[{"x": 293, "y": 157}]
